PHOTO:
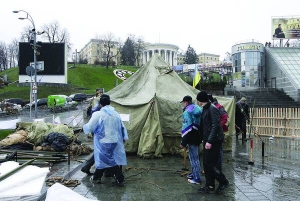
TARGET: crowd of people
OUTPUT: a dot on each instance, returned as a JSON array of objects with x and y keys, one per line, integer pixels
[{"x": 203, "y": 123}]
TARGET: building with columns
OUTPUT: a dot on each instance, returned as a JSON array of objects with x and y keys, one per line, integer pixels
[{"x": 167, "y": 51}]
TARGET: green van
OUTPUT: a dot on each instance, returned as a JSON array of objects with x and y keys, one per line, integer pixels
[{"x": 60, "y": 102}]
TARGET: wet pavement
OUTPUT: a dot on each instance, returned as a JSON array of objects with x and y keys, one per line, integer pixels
[{"x": 274, "y": 176}]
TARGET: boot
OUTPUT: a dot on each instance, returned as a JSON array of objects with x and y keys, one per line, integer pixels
[
  {"x": 96, "y": 178},
  {"x": 119, "y": 177},
  {"x": 88, "y": 164}
]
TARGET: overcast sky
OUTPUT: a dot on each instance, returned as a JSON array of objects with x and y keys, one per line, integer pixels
[{"x": 210, "y": 26}]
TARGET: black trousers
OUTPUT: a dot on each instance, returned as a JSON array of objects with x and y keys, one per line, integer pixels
[
  {"x": 242, "y": 127},
  {"x": 211, "y": 165},
  {"x": 116, "y": 171},
  {"x": 90, "y": 162}
]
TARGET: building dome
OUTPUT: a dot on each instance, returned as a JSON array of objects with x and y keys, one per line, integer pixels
[{"x": 167, "y": 51}]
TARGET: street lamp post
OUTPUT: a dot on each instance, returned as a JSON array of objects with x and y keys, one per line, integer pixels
[
  {"x": 28, "y": 17},
  {"x": 76, "y": 57}
]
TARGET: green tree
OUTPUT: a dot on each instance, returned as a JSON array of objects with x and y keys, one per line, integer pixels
[
  {"x": 190, "y": 56},
  {"x": 128, "y": 56}
]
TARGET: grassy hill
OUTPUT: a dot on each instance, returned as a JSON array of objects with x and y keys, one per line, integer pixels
[{"x": 82, "y": 79}]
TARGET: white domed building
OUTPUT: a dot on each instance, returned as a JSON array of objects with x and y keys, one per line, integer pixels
[{"x": 167, "y": 51}]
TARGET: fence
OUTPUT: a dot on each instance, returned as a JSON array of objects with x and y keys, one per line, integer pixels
[{"x": 276, "y": 121}]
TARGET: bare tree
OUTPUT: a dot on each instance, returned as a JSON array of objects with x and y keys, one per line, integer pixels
[
  {"x": 26, "y": 34},
  {"x": 54, "y": 33},
  {"x": 108, "y": 42},
  {"x": 3, "y": 56},
  {"x": 15, "y": 44},
  {"x": 12, "y": 52},
  {"x": 140, "y": 46},
  {"x": 11, "y": 56}
]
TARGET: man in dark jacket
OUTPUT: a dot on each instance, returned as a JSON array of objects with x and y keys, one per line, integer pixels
[
  {"x": 213, "y": 136},
  {"x": 241, "y": 117},
  {"x": 278, "y": 32}
]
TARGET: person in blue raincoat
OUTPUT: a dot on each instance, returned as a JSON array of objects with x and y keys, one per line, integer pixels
[
  {"x": 90, "y": 162},
  {"x": 109, "y": 137}
]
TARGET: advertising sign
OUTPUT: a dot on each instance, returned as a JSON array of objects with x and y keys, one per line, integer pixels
[
  {"x": 286, "y": 28},
  {"x": 247, "y": 47}
]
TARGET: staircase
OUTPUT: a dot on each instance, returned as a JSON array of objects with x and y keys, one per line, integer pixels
[{"x": 264, "y": 97}]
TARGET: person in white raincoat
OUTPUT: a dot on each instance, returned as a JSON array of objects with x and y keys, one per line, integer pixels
[{"x": 109, "y": 137}]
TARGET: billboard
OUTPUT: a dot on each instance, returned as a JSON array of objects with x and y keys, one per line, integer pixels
[
  {"x": 52, "y": 56},
  {"x": 285, "y": 28}
]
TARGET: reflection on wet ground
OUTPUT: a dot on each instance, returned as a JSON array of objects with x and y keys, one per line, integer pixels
[{"x": 275, "y": 176}]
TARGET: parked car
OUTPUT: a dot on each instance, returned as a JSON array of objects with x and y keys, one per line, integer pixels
[
  {"x": 40, "y": 102},
  {"x": 60, "y": 102},
  {"x": 79, "y": 97},
  {"x": 17, "y": 101}
]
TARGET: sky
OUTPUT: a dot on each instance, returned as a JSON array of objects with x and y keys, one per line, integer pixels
[{"x": 211, "y": 26}]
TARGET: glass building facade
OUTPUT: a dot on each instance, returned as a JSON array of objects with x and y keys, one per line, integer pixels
[
  {"x": 248, "y": 62},
  {"x": 283, "y": 70}
]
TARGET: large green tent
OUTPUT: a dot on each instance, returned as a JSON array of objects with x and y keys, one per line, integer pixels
[{"x": 151, "y": 97}]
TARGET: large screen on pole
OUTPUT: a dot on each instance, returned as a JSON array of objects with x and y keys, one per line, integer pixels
[
  {"x": 52, "y": 54},
  {"x": 286, "y": 28}
]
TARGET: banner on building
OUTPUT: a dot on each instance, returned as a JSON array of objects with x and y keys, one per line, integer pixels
[{"x": 285, "y": 28}]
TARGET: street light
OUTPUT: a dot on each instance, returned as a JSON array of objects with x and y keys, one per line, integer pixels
[{"x": 28, "y": 17}]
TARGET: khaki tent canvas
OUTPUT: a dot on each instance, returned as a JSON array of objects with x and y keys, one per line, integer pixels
[{"x": 151, "y": 98}]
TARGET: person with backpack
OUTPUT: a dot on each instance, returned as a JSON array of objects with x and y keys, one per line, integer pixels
[
  {"x": 213, "y": 136},
  {"x": 224, "y": 118}
]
